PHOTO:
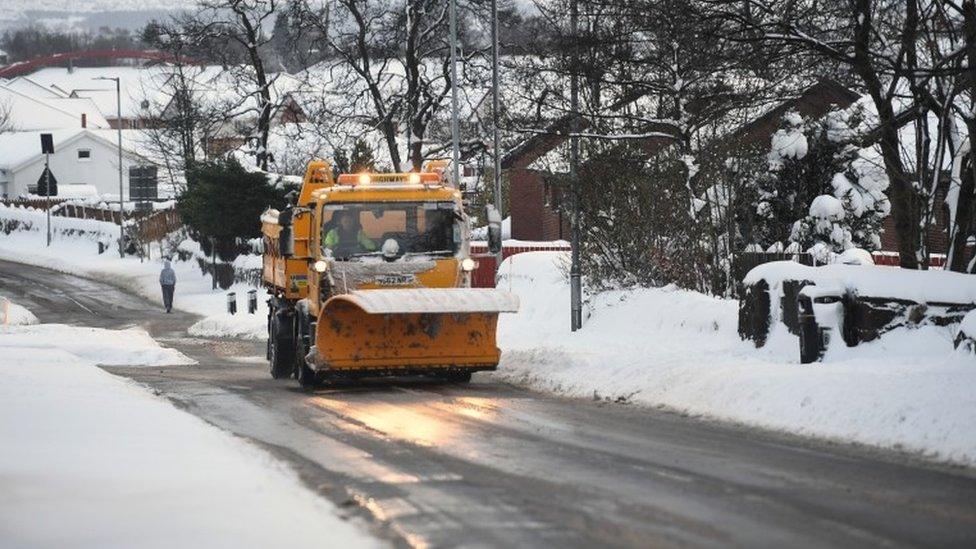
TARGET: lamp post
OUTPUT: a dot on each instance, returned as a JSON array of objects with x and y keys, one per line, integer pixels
[
  {"x": 118, "y": 125},
  {"x": 575, "y": 282},
  {"x": 496, "y": 146},
  {"x": 455, "y": 130}
]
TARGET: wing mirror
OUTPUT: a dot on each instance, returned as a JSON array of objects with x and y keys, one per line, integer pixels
[
  {"x": 286, "y": 240},
  {"x": 494, "y": 229}
]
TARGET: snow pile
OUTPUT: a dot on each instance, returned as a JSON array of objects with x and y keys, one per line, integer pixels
[
  {"x": 12, "y": 314},
  {"x": 240, "y": 326},
  {"x": 131, "y": 347},
  {"x": 119, "y": 467},
  {"x": 680, "y": 350}
]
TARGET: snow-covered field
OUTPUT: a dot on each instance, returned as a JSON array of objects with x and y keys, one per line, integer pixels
[
  {"x": 92, "y": 460},
  {"x": 78, "y": 254},
  {"x": 680, "y": 350}
]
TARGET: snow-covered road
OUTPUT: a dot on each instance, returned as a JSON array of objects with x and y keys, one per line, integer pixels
[{"x": 497, "y": 465}]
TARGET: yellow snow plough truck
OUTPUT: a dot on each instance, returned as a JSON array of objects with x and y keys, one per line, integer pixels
[{"x": 370, "y": 275}]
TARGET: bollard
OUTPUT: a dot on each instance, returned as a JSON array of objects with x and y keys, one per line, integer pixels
[
  {"x": 252, "y": 301},
  {"x": 232, "y": 303}
]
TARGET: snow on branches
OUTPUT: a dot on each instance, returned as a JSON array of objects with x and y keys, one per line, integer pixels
[{"x": 822, "y": 194}]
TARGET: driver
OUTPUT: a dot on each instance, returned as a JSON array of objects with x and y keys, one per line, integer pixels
[{"x": 347, "y": 237}]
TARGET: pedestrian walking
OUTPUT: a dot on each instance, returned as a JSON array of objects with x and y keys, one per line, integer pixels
[{"x": 167, "y": 279}]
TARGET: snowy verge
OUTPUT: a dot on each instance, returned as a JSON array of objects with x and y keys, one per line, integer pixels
[
  {"x": 114, "y": 466},
  {"x": 130, "y": 347},
  {"x": 76, "y": 253},
  {"x": 680, "y": 350}
]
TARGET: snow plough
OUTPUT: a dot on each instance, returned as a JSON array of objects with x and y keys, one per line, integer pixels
[{"x": 369, "y": 274}]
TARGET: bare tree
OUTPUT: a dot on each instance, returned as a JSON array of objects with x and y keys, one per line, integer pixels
[
  {"x": 888, "y": 46},
  {"x": 387, "y": 69},
  {"x": 232, "y": 33}
]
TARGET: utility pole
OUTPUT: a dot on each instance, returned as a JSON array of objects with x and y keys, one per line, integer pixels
[
  {"x": 575, "y": 284},
  {"x": 455, "y": 131},
  {"x": 47, "y": 147},
  {"x": 496, "y": 147},
  {"x": 118, "y": 125},
  {"x": 47, "y": 193}
]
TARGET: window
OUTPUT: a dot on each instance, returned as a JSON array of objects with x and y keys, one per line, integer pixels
[
  {"x": 84, "y": 155},
  {"x": 418, "y": 228}
]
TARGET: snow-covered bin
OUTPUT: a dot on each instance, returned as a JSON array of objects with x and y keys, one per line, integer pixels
[{"x": 877, "y": 299}]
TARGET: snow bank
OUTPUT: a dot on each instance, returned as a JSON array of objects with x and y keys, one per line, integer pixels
[
  {"x": 131, "y": 347},
  {"x": 91, "y": 460},
  {"x": 680, "y": 350},
  {"x": 12, "y": 314}
]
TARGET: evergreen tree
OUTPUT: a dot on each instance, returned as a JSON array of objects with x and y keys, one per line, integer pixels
[
  {"x": 361, "y": 159},
  {"x": 822, "y": 193},
  {"x": 224, "y": 201},
  {"x": 340, "y": 162}
]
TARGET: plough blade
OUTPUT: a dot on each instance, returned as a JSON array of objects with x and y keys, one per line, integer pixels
[{"x": 410, "y": 330}]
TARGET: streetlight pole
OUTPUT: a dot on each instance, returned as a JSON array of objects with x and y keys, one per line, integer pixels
[
  {"x": 575, "y": 283},
  {"x": 118, "y": 125},
  {"x": 496, "y": 146},
  {"x": 455, "y": 131}
]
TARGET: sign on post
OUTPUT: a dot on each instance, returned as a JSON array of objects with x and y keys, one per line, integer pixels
[{"x": 47, "y": 143}]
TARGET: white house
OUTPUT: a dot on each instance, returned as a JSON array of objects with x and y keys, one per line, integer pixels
[{"x": 82, "y": 157}]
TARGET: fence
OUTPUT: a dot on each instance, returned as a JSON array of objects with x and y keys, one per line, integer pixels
[
  {"x": 36, "y": 203},
  {"x": 484, "y": 275}
]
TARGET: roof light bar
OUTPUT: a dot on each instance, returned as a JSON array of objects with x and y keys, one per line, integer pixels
[{"x": 413, "y": 178}]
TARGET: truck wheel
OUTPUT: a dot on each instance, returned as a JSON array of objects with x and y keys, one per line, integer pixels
[
  {"x": 281, "y": 353},
  {"x": 306, "y": 376}
]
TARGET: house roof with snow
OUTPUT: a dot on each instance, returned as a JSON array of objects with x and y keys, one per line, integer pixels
[
  {"x": 27, "y": 112},
  {"x": 33, "y": 88},
  {"x": 137, "y": 84},
  {"x": 18, "y": 149}
]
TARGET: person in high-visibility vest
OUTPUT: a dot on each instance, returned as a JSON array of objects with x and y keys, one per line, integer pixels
[{"x": 348, "y": 237}]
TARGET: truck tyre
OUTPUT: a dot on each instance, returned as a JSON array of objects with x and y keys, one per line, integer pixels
[
  {"x": 281, "y": 351},
  {"x": 306, "y": 376}
]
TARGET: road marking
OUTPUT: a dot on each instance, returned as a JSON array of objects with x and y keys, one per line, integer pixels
[{"x": 80, "y": 305}]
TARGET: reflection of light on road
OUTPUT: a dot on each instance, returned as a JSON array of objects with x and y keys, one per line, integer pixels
[
  {"x": 477, "y": 407},
  {"x": 425, "y": 423},
  {"x": 404, "y": 421}
]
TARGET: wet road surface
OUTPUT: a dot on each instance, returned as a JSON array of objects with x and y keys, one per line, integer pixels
[{"x": 489, "y": 464}]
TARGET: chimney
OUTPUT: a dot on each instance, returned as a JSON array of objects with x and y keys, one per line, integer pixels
[{"x": 84, "y": 120}]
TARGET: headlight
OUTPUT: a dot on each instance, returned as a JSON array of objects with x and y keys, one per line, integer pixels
[
  {"x": 364, "y": 179},
  {"x": 468, "y": 264},
  {"x": 320, "y": 266},
  {"x": 414, "y": 178}
]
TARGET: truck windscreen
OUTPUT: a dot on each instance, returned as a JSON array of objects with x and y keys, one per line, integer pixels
[{"x": 410, "y": 228}]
